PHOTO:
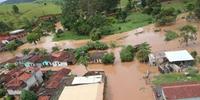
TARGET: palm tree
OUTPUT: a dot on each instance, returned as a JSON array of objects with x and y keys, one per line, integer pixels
[
  {"x": 84, "y": 61},
  {"x": 188, "y": 33},
  {"x": 143, "y": 52}
]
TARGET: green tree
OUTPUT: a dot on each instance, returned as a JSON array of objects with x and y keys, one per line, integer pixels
[
  {"x": 143, "y": 52},
  {"x": 95, "y": 35},
  {"x": 10, "y": 97},
  {"x": 127, "y": 54},
  {"x": 55, "y": 48},
  {"x": 197, "y": 9},
  {"x": 10, "y": 66},
  {"x": 4, "y": 27},
  {"x": 15, "y": 9},
  {"x": 188, "y": 33},
  {"x": 33, "y": 37},
  {"x": 152, "y": 6},
  {"x": 108, "y": 58},
  {"x": 83, "y": 60},
  {"x": 28, "y": 95},
  {"x": 11, "y": 46},
  {"x": 2, "y": 92},
  {"x": 121, "y": 15},
  {"x": 26, "y": 51}
]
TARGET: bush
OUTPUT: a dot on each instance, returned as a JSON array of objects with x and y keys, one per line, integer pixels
[
  {"x": 2, "y": 93},
  {"x": 106, "y": 30},
  {"x": 170, "y": 36},
  {"x": 192, "y": 71},
  {"x": 55, "y": 48},
  {"x": 108, "y": 58},
  {"x": 28, "y": 95},
  {"x": 10, "y": 97},
  {"x": 95, "y": 36},
  {"x": 127, "y": 54},
  {"x": 97, "y": 45},
  {"x": 10, "y": 66},
  {"x": 82, "y": 51},
  {"x": 194, "y": 54}
]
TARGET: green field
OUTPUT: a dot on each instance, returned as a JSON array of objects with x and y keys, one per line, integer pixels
[
  {"x": 70, "y": 36},
  {"x": 27, "y": 10}
]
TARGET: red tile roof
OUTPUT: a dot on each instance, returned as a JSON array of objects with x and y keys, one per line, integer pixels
[
  {"x": 56, "y": 78},
  {"x": 60, "y": 56},
  {"x": 181, "y": 91},
  {"x": 44, "y": 98},
  {"x": 25, "y": 76},
  {"x": 15, "y": 84}
]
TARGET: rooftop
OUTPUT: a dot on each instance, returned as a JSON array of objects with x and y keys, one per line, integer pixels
[
  {"x": 87, "y": 79},
  {"x": 174, "y": 56},
  {"x": 182, "y": 91},
  {"x": 83, "y": 92},
  {"x": 17, "y": 31}
]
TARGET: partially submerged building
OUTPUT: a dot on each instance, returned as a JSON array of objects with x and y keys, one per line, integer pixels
[{"x": 184, "y": 91}]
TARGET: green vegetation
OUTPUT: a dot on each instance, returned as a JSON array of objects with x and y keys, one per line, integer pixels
[
  {"x": 83, "y": 60},
  {"x": 55, "y": 48},
  {"x": 193, "y": 76},
  {"x": 108, "y": 58},
  {"x": 2, "y": 92},
  {"x": 34, "y": 37},
  {"x": 28, "y": 95},
  {"x": 96, "y": 45},
  {"x": 28, "y": 11},
  {"x": 170, "y": 35},
  {"x": 11, "y": 46},
  {"x": 70, "y": 36},
  {"x": 188, "y": 33},
  {"x": 26, "y": 51},
  {"x": 127, "y": 54},
  {"x": 143, "y": 51},
  {"x": 10, "y": 66}
]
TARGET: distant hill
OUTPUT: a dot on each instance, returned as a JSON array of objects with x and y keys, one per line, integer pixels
[{"x": 17, "y": 1}]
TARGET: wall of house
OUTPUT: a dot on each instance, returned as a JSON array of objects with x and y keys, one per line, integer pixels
[
  {"x": 31, "y": 82},
  {"x": 59, "y": 64},
  {"x": 38, "y": 76},
  {"x": 14, "y": 92},
  {"x": 29, "y": 64}
]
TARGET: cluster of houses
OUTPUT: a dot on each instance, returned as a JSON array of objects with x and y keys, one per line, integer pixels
[
  {"x": 59, "y": 85},
  {"x": 171, "y": 61},
  {"x": 13, "y": 35}
]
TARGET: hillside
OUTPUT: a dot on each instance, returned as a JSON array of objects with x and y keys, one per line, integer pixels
[
  {"x": 27, "y": 11},
  {"x": 17, "y": 1}
]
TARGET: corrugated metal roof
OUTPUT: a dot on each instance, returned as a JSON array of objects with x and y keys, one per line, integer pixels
[{"x": 182, "y": 55}]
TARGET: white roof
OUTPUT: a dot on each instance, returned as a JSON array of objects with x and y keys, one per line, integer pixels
[
  {"x": 87, "y": 80},
  {"x": 16, "y": 31},
  {"x": 182, "y": 55},
  {"x": 83, "y": 92}
]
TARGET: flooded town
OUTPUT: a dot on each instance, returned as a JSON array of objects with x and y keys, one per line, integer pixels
[{"x": 100, "y": 50}]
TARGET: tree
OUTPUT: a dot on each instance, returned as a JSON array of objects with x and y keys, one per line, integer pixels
[
  {"x": 166, "y": 16},
  {"x": 95, "y": 35},
  {"x": 10, "y": 97},
  {"x": 197, "y": 9},
  {"x": 143, "y": 52},
  {"x": 55, "y": 48},
  {"x": 151, "y": 6},
  {"x": 10, "y": 66},
  {"x": 11, "y": 46},
  {"x": 188, "y": 33},
  {"x": 121, "y": 15},
  {"x": 4, "y": 27},
  {"x": 108, "y": 58},
  {"x": 26, "y": 51},
  {"x": 126, "y": 54},
  {"x": 33, "y": 37},
  {"x": 15, "y": 9},
  {"x": 83, "y": 60},
  {"x": 2, "y": 92},
  {"x": 28, "y": 95}
]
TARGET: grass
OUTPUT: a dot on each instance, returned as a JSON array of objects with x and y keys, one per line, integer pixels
[
  {"x": 170, "y": 35},
  {"x": 175, "y": 78},
  {"x": 177, "y": 4},
  {"x": 70, "y": 36},
  {"x": 134, "y": 20},
  {"x": 27, "y": 10}
]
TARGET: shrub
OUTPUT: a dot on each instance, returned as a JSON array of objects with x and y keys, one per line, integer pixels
[
  {"x": 192, "y": 71},
  {"x": 82, "y": 51},
  {"x": 106, "y": 30},
  {"x": 10, "y": 97},
  {"x": 28, "y": 95},
  {"x": 170, "y": 36},
  {"x": 10, "y": 66},
  {"x": 97, "y": 45},
  {"x": 108, "y": 58},
  {"x": 143, "y": 52},
  {"x": 194, "y": 54},
  {"x": 127, "y": 54},
  {"x": 26, "y": 51},
  {"x": 95, "y": 36},
  {"x": 2, "y": 93},
  {"x": 55, "y": 48}
]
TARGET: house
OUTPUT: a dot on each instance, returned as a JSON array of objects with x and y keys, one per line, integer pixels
[
  {"x": 184, "y": 91},
  {"x": 23, "y": 78},
  {"x": 62, "y": 58},
  {"x": 18, "y": 34},
  {"x": 52, "y": 88},
  {"x": 88, "y": 87},
  {"x": 95, "y": 57},
  {"x": 2, "y": 47}
]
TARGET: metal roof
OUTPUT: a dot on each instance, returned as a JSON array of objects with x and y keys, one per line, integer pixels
[
  {"x": 87, "y": 79},
  {"x": 182, "y": 55}
]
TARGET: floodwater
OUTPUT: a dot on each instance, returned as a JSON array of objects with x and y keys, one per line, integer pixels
[{"x": 124, "y": 80}]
